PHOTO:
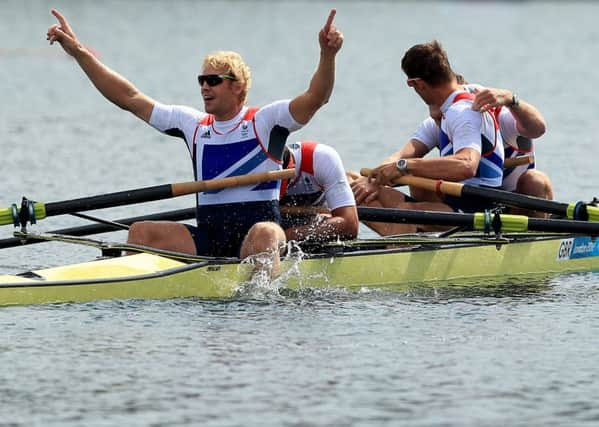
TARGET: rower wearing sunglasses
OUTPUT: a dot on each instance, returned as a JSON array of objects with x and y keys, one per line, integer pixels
[
  {"x": 519, "y": 124},
  {"x": 470, "y": 144},
  {"x": 227, "y": 139}
]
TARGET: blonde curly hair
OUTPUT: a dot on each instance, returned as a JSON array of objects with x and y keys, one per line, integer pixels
[{"x": 232, "y": 63}]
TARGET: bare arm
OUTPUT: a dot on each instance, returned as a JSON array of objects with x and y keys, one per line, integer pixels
[
  {"x": 529, "y": 121},
  {"x": 112, "y": 85},
  {"x": 304, "y": 106},
  {"x": 412, "y": 149},
  {"x": 457, "y": 167},
  {"x": 343, "y": 223},
  {"x": 365, "y": 191}
]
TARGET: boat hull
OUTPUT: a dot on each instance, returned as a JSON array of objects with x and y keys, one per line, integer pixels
[{"x": 148, "y": 276}]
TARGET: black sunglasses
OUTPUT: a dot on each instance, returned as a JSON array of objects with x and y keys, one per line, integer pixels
[{"x": 214, "y": 79}]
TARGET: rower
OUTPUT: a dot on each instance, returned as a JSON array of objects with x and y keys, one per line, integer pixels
[
  {"x": 320, "y": 181},
  {"x": 519, "y": 123},
  {"x": 227, "y": 139},
  {"x": 471, "y": 146}
]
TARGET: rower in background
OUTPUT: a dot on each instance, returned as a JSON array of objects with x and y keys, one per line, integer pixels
[
  {"x": 320, "y": 182},
  {"x": 520, "y": 123},
  {"x": 470, "y": 144}
]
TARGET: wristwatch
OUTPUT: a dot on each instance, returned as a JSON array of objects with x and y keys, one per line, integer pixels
[
  {"x": 402, "y": 166},
  {"x": 515, "y": 101}
]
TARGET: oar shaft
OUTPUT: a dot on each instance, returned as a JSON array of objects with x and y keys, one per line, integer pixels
[
  {"x": 405, "y": 216},
  {"x": 516, "y": 199},
  {"x": 507, "y": 223},
  {"x": 121, "y": 198},
  {"x": 478, "y": 221},
  {"x": 141, "y": 195},
  {"x": 563, "y": 226},
  {"x": 231, "y": 181},
  {"x": 578, "y": 211},
  {"x": 160, "y": 192},
  {"x": 86, "y": 230}
]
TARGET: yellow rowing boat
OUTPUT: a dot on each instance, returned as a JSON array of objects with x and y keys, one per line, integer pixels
[{"x": 397, "y": 263}]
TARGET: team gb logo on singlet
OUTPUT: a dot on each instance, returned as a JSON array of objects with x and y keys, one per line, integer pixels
[{"x": 244, "y": 130}]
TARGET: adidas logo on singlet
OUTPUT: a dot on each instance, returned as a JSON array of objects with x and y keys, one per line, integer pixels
[{"x": 206, "y": 134}]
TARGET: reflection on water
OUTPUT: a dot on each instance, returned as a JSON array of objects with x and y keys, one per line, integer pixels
[
  {"x": 488, "y": 291},
  {"x": 422, "y": 352},
  {"x": 493, "y": 288}
]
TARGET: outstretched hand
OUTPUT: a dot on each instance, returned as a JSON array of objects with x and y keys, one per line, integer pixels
[
  {"x": 330, "y": 38},
  {"x": 63, "y": 34}
]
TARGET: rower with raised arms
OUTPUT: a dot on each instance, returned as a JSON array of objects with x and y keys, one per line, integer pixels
[{"x": 227, "y": 139}]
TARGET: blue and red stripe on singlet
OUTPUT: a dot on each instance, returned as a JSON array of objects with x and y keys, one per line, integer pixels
[{"x": 490, "y": 160}]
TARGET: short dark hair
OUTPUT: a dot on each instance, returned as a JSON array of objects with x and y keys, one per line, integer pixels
[
  {"x": 429, "y": 62},
  {"x": 460, "y": 79}
]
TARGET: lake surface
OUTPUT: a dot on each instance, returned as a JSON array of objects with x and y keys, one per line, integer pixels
[{"x": 518, "y": 354}]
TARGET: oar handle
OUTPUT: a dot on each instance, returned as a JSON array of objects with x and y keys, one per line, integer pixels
[
  {"x": 518, "y": 161},
  {"x": 183, "y": 188},
  {"x": 435, "y": 185}
]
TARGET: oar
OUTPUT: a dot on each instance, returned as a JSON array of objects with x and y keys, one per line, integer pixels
[
  {"x": 517, "y": 161},
  {"x": 488, "y": 222},
  {"x": 577, "y": 211},
  {"x": 36, "y": 210},
  {"x": 479, "y": 221},
  {"x": 105, "y": 227}
]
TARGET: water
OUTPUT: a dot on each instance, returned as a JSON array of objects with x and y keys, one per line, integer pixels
[{"x": 518, "y": 354}]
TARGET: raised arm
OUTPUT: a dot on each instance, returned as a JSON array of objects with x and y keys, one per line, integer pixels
[
  {"x": 304, "y": 106},
  {"x": 529, "y": 121},
  {"x": 112, "y": 85}
]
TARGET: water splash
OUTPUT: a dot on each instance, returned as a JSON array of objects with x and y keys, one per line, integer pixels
[{"x": 262, "y": 286}]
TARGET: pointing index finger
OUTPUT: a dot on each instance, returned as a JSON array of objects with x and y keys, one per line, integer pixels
[
  {"x": 61, "y": 19},
  {"x": 327, "y": 26},
  {"x": 57, "y": 15}
]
